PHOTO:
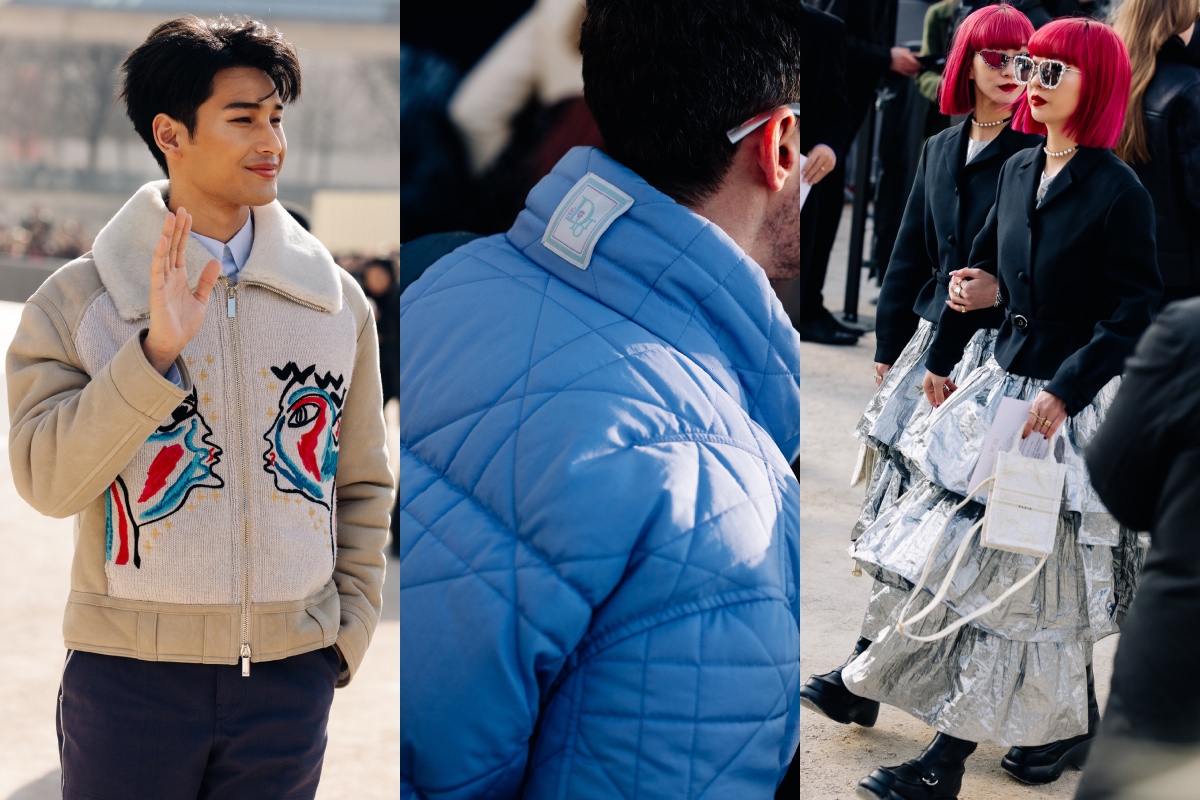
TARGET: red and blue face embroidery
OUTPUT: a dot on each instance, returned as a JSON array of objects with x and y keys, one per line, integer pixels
[
  {"x": 302, "y": 452},
  {"x": 184, "y": 459}
]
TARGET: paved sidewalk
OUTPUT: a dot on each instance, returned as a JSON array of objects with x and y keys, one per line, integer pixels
[
  {"x": 836, "y": 383},
  {"x": 362, "y": 761}
]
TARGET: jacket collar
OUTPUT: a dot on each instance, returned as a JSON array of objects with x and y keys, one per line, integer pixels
[
  {"x": 284, "y": 257},
  {"x": 1076, "y": 171},
  {"x": 1174, "y": 50},
  {"x": 1004, "y": 145},
  {"x": 681, "y": 277}
]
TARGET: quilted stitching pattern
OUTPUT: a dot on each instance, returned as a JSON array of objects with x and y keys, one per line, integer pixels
[{"x": 599, "y": 531}]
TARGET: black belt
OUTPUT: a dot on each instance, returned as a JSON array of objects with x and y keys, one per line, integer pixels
[
  {"x": 1024, "y": 323},
  {"x": 941, "y": 277}
]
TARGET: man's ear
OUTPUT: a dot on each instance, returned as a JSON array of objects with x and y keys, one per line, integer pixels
[
  {"x": 168, "y": 133},
  {"x": 779, "y": 149}
]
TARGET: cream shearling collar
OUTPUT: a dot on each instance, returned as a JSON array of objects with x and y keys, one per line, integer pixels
[{"x": 285, "y": 257}]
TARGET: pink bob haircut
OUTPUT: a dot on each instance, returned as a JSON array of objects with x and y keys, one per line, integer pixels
[
  {"x": 1000, "y": 27},
  {"x": 1100, "y": 55}
]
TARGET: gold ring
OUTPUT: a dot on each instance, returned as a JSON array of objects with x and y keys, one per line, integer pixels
[
  {"x": 963, "y": 309},
  {"x": 1047, "y": 423}
]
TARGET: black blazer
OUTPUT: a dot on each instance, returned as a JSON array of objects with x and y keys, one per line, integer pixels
[
  {"x": 824, "y": 109},
  {"x": 946, "y": 209},
  {"x": 1171, "y": 111},
  {"x": 1078, "y": 274}
]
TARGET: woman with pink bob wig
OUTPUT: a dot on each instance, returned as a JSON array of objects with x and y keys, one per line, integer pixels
[
  {"x": 954, "y": 188},
  {"x": 1104, "y": 74},
  {"x": 1069, "y": 245}
]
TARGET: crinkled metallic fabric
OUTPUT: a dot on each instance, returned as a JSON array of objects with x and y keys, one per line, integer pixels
[
  {"x": 945, "y": 444},
  {"x": 1016, "y": 675},
  {"x": 889, "y": 480},
  {"x": 978, "y": 686},
  {"x": 900, "y": 397},
  {"x": 900, "y": 402}
]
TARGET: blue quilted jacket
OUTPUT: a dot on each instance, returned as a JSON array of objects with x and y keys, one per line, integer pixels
[{"x": 599, "y": 527}]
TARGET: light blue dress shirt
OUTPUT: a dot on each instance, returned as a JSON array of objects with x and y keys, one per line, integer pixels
[{"x": 232, "y": 255}]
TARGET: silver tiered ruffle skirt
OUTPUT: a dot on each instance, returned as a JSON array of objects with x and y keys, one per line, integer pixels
[
  {"x": 898, "y": 403},
  {"x": 1016, "y": 675}
]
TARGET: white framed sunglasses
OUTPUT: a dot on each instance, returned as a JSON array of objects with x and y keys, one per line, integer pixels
[
  {"x": 746, "y": 128},
  {"x": 1049, "y": 73}
]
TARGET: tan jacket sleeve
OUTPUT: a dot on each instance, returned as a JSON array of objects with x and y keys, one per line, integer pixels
[
  {"x": 364, "y": 498},
  {"x": 71, "y": 433}
]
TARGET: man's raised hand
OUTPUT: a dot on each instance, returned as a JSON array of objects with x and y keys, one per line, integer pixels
[{"x": 176, "y": 312}]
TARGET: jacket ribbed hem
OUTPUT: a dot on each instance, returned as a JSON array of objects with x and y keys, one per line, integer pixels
[{"x": 201, "y": 634}]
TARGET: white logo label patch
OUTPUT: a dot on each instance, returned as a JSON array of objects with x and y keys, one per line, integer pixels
[{"x": 585, "y": 213}]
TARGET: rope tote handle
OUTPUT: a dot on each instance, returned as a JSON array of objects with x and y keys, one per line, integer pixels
[{"x": 945, "y": 587}]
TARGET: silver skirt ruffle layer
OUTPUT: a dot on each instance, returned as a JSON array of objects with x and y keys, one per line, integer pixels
[
  {"x": 1016, "y": 675},
  {"x": 898, "y": 403}
]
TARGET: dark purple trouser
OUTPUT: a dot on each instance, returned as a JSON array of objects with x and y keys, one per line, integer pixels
[{"x": 133, "y": 729}]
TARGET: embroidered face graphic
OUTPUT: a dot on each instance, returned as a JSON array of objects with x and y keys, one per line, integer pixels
[
  {"x": 184, "y": 457},
  {"x": 303, "y": 441}
]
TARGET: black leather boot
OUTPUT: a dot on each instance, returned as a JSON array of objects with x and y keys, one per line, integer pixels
[
  {"x": 828, "y": 696},
  {"x": 1045, "y": 763},
  {"x": 936, "y": 774}
]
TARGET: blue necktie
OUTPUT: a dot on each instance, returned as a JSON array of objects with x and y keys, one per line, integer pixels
[{"x": 228, "y": 265}]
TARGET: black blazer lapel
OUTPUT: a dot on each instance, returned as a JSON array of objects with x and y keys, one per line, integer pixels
[
  {"x": 1030, "y": 172},
  {"x": 956, "y": 150},
  {"x": 1003, "y": 146},
  {"x": 1077, "y": 169}
]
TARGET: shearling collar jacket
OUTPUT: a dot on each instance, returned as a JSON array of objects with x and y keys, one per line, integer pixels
[{"x": 241, "y": 515}]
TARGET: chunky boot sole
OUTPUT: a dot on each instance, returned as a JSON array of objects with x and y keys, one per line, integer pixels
[
  {"x": 1048, "y": 773},
  {"x": 863, "y": 711},
  {"x": 870, "y": 789}
]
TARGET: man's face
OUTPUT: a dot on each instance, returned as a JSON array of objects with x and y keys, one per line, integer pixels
[{"x": 237, "y": 148}]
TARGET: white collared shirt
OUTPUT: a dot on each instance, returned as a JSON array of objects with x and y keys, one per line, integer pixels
[{"x": 238, "y": 248}]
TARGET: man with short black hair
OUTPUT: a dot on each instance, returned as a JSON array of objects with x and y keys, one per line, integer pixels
[
  {"x": 202, "y": 391},
  {"x": 599, "y": 524}
]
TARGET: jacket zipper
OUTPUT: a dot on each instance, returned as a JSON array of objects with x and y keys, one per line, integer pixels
[
  {"x": 292, "y": 298},
  {"x": 231, "y": 312}
]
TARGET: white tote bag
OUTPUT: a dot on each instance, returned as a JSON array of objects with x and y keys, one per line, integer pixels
[{"x": 1021, "y": 517}]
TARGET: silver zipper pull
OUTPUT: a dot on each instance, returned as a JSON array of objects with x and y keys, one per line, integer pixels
[
  {"x": 245, "y": 655},
  {"x": 231, "y": 300}
]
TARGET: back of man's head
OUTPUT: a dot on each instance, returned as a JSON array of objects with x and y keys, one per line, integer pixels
[{"x": 665, "y": 79}]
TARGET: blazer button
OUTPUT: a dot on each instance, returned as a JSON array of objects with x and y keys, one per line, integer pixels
[
  {"x": 951, "y": 239},
  {"x": 1020, "y": 322},
  {"x": 1022, "y": 277}
]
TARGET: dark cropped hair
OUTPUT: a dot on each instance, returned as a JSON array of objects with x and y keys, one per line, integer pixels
[
  {"x": 172, "y": 71},
  {"x": 665, "y": 79}
]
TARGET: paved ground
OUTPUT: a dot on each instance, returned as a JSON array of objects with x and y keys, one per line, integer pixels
[
  {"x": 362, "y": 761},
  {"x": 836, "y": 385}
]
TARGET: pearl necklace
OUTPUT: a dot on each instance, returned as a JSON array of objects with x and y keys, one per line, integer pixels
[
  {"x": 988, "y": 124},
  {"x": 1060, "y": 153}
]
